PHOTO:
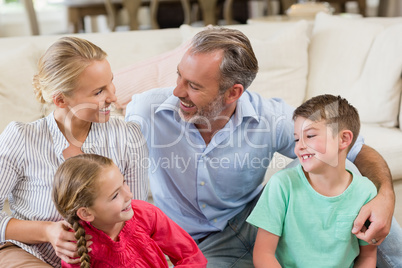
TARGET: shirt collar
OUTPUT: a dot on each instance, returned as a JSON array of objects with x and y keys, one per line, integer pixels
[
  {"x": 59, "y": 141},
  {"x": 244, "y": 108},
  {"x": 170, "y": 104}
]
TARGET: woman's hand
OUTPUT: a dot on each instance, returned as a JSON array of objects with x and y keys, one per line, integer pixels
[
  {"x": 61, "y": 236},
  {"x": 58, "y": 234}
]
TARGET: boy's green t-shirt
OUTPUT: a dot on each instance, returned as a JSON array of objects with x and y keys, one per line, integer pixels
[{"x": 314, "y": 230}]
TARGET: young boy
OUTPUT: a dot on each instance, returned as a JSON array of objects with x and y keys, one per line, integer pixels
[{"x": 305, "y": 214}]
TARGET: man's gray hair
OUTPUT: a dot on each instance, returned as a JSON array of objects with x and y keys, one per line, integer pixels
[{"x": 239, "y": 64}]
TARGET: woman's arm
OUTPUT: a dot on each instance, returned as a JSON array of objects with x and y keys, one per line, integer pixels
[
  {"x": 367, "y": 257},
  {"x": 35, "y": 232},
  {"x": 264, "y": 249},
  {"x": 13, "y": 156},
  {"x": 380, "y": 210}
]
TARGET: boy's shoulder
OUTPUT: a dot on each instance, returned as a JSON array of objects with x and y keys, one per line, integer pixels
[
  {"x": 286, "y": 177},
  {"x": 289, "y": 171},
  {"x": 362, "y": 181}
]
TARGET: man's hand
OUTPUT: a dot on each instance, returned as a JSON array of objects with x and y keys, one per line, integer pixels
[
  {"x": 380, "y": 210},
  {"x": 63, "y": 241},
  {"x": 379, "y": 213}
]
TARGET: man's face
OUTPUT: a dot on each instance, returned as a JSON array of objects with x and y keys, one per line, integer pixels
[{"x": 198, "y": 87}]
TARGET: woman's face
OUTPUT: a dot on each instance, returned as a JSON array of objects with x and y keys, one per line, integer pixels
[{"x": 94, "y": 94}]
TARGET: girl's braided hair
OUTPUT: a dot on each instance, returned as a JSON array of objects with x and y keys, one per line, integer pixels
[{"x": 75, "y": 186}]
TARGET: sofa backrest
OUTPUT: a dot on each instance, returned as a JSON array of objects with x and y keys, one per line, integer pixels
[
  {"x": 361, "y": 60},
  {"x": 356, "y": 58}
]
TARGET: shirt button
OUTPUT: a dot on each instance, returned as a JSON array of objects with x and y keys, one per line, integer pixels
[
  {"x": 204, "y": 206},
  {"x": 202, "y": 183},
  {"x": 215, "y": 220}
]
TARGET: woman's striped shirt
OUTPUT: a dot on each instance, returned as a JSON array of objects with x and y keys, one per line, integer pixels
[{"x": 31, "y": 153}]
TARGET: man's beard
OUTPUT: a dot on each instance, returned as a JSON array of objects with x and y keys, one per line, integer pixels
[{"x": 205, "y": 115}]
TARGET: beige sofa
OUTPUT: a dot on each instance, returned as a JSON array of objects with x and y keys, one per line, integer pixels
[{"x": 359, "y": 59}]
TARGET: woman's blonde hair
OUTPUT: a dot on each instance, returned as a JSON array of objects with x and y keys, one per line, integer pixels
[
  {"x": 75, "y": 186},
  {"x": 61, "y": 65}
]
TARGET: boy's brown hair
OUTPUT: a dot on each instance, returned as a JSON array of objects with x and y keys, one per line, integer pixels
[{"x": 337, "y": 112}]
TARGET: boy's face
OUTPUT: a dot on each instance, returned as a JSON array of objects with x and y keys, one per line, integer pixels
[{"x": 315, "y": 145}]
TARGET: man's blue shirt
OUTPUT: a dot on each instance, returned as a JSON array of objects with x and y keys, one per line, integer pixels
[{"x": 201, "y": 186}]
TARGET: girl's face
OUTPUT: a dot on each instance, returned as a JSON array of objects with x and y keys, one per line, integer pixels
[
  {"x": 94, "y": 94},
  {"x": 112, "y": 206}
]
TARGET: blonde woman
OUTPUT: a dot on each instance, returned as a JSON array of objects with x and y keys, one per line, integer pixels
[{"x": 76, "y": 77}]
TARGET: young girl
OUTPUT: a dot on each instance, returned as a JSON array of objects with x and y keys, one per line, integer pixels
[{"x": 91, "y": 194}]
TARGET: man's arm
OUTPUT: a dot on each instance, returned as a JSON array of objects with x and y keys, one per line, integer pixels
[{"x": 378, "y": 211}]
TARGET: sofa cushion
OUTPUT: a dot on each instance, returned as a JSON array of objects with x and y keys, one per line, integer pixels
[
  {"x": 126, "y": 48},
  {"x": 377, "y": 91},
  {"x": 282, "y": 56},
  {"x": 388, "y": 142},
  {"x": 283, "y": 65},
  {"x": 365, "y": 69},
  {"x": 17, "y": 99},
  {"x": 157, "y": 71}
]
